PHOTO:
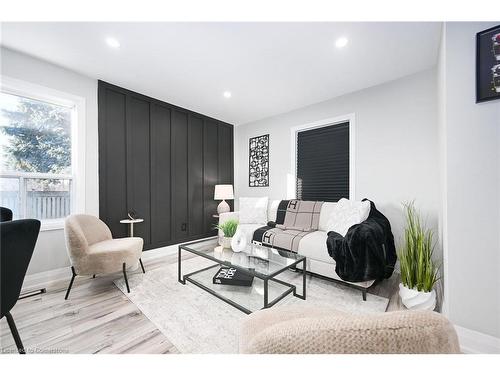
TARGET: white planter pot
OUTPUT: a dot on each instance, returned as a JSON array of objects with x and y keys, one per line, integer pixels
[
  {"x": 415, "y": 300},
  {"x": 226, "y": 242}
]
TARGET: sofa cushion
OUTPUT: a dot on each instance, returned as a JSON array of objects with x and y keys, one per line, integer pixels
[
  {"x": 324, "y": 216},
  {"x": 346, "y": 214},
  {"x": 253, "y": 210},
  {"x": 313, "y": 246},
  {"x": 286, "y": 239},
  {"x": 272, "y": 210}
]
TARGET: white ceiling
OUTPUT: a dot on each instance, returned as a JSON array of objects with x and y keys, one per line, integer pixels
[{"x": 270, "y": 68}]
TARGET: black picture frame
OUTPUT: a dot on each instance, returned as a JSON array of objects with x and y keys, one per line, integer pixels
[
  {"x": 488, "y": 64},
  {"x": 258, "y": 161}
]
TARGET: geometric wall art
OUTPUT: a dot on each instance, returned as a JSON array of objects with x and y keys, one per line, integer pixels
[
  {"x": 488, "y": 65},
  {"x": 258, "y": 173}
]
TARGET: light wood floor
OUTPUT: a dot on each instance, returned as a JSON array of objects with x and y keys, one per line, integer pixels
[{"x": 98, "y": 318}]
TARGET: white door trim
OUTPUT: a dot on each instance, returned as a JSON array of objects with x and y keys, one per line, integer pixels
[{"x": 291, "y": 193}]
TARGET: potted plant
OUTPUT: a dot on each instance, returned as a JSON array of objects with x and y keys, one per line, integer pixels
[
  {"x": 419, "y": 273},
  {"x": 229, "y": 229}
]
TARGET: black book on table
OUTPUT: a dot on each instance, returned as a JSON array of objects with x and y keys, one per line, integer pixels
[{"x": 232, "y": 276}]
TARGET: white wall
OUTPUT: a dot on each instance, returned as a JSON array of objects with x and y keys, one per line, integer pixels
[
  {"x": 471, "y": 168},
  {"x": 395, "y": 142},
  {"x": 50, "y": 250}
]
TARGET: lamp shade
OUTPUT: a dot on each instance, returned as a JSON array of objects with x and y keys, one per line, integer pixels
[{"x": 223, "y": 192}]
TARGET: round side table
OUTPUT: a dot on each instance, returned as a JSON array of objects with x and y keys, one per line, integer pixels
[{"x": 131, "y": 224}]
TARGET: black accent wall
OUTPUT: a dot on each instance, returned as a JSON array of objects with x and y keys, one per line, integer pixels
[{"x": 162, "y": 162}]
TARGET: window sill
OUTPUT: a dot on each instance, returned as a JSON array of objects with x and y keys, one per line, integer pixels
[{"x": 52, "y": 225}]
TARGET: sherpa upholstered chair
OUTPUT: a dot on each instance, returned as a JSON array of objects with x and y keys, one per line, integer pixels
[
  {"x": 92, "y": 249},
  {"x": 315, "y": 330}
]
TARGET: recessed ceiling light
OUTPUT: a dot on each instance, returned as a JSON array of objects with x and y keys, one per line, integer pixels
[
  {"x": 227, "y": 94},
  {"x": 341, "y": 42},
  {"x": 112, "y": 42}
]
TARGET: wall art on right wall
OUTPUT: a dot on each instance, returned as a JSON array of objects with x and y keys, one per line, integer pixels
[{"x": 488, "y": 64}]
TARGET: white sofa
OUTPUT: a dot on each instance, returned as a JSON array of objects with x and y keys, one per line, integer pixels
[{"x": 312, "y": 246}]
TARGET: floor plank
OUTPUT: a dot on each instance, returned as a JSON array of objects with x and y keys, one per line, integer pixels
[{"x": 96, "y": 318}]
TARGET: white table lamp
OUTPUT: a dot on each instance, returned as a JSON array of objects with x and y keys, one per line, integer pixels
[{"x": 223, "y": 192}]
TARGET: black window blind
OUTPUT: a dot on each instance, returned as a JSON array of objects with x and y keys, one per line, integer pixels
[{"x": 323, "y": 163}]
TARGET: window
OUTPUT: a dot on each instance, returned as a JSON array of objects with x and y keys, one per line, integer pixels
[
  {"x": 323, "y": 163},
  {"x": 37, "y": 155}
]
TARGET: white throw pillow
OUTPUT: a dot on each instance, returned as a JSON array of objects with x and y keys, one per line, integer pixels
[
  {"x": 326, "y": 211},
  {"x": 272, "y": 210},
  {"x": 253, "y": 210},
  {"x": 346, "y": 214}
]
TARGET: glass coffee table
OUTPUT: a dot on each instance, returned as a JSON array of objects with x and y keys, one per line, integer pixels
[{"x": 261, "y": 262}]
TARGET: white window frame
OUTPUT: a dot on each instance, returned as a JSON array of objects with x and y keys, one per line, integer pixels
[
  {"x": 351, "y": 118},
  {"x": 30, "y": 90}
]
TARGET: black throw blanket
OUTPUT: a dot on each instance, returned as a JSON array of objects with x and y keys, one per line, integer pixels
[{"x": 367, "y": 251}]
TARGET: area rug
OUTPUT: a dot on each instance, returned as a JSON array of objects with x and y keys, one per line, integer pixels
[{"x": 194, "y": 321}]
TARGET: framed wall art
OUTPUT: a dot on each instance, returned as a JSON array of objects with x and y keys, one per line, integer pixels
[
  {"x": 488, "y": 64},
  {"x": 258, "y": 168}
]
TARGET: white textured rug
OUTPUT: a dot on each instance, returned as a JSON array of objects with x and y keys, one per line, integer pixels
[{"x": 197, "y": 322}]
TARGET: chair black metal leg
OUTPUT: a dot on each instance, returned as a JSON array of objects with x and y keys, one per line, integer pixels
[
  {"x": 32, "y": 293},
  {"x": 71, "y": 282},
  {"x": 93, "y": 276},
  {"x": 142, "y": 265},
  {"x": 125, "y": 276},
  {"x": 364, "y": 295},
  {"x": 15, "y": 334}
]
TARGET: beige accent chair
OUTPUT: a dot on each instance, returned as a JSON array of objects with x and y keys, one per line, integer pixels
[
  {"x": 92, "y": 249},
  {"x": 314, "y": 330}
]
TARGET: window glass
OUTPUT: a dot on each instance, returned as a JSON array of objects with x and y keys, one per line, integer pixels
[
  {"x": 36, "y": 136},
  {"x": 35, "y": 157}
]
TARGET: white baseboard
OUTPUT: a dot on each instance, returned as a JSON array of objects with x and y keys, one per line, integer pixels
[
  {"x": 474, "y": 342},
  {"x": 47, "y": 279}
]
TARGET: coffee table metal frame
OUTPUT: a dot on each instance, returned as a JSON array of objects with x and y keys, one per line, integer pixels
[{"x": 266, "y": 278}]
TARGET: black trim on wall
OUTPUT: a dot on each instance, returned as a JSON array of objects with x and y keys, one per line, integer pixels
[
  {"x": 210, "y": 172},
  {"x": 160, "y": 173},
  {"x": 162, "y": 162}
]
